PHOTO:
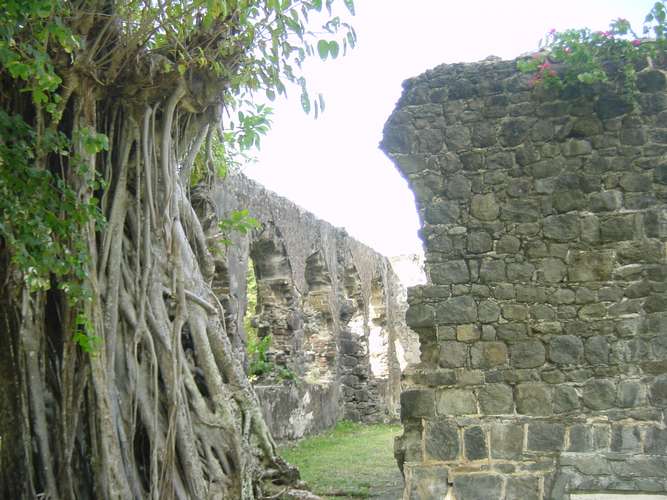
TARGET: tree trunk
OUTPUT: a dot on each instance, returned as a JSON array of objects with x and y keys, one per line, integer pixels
[{"x": 162, "y": 408}]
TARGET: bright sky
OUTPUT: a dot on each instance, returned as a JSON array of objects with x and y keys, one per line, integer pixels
[{"x": 332, "y": 166}]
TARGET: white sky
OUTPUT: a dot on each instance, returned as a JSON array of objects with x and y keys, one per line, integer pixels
[{"x": 332, "y": 166}]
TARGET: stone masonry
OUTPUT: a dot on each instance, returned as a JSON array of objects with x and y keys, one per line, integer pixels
[
  {"x": 543, "y": 326},
  {"x": 334, "y": 309}
]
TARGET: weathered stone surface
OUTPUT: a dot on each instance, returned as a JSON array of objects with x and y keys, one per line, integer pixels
[
  {"x": 456, "y": 402},
  {"x": 495, "y": 399},
  {"x": 599, "y": 394},
  {"x": 528, "y": 354},
  {"x": 474, "y": 439},
  {"x": 563, "y": 227},
  {"x": 417, "y": 403},
  {"x": 484, "y": 207},
  {"x": 457, "y": 310},
  {"x": 477, "y": 487},
  {"x": 566, "y": 350},
  {"x": 442, "y": 440},
  {"x": 426, "y": 482},
  {"x": 566, "y": 399},
  {"x": 488, "y": 354},
  {"x": 455, "y": 271},
  {"x": 534, "y": 399},
  {"x": 523, "y": 488},
  {"x": 545, "y": 436},
  {"x": 453, "y": 354}
]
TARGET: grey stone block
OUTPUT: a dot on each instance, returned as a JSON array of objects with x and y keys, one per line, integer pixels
[
  {"x": 566, "y": 399},
  {"x": 566, "y": 350},
  {"x": 452, "y": 354},
  {"x": 496, "y": 399},
  {"x": 478, "y": 487},
  {"x": 596, "y": 350},
  {"x": 479, "y": 242},
  {"x": 534, "y": 399},
  {"x": 545, "y": 436},
  {"x": 658, "y": 391},
  {"x": 488, "y": 354},
  {"x": 625, "y": 438},
  {"x": 522, "y": 488},
  {"x": 417, "y": 403},
  {"x": 492, "y": 271},
  {"x": 426, "y": 482},
  {"x": 488, "y": 311},
  {"x": 484, "y": 207},
  {"x": 454, "y": 271},
  {"x": 561, "y": 227},
  {"x": 456, "y": 402},
  {"x": 474, "y": 440},
  {"x": 456, "y": 310},
  {"x": 512, "y": 332},
  {"x": 656, "y": 441},
  {"x": 442, "y": 440},
  {"x": 599, "y": 394},
  {"x": 527, "y": 354},
  {"x": 506, "y": 440}
]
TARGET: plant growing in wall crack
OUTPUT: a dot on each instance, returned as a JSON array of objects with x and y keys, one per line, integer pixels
[{"x": 582, "y": 56}]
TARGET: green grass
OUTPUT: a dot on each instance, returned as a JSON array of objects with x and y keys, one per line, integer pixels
[{"x": 350, "y": 461}]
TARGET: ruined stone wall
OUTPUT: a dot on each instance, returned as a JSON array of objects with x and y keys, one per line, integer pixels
[
  {"x": 543, "y": 326},
  {"x": 331, "y": 305}
]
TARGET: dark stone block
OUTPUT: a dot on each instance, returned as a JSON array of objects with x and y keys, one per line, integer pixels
[
  {"x": 611, "y": 105},
  {"x": 514, "y": 131},
  {"x": 656, "y": 441},
  {"x": 453, "y": 354},
  {"x": 565, "y": 399},
  {"x": 566, "y": 350},
  {"x": 478, "y": 487},
  {"x": 658, "y": 391},
  {"x": 650, "y": 80},
  {"x": 546, "y": 436},
  {"x": 625, "y": 438},
  {"x": 581, "y": 438},
  {"x": 496, "y": 399},
  {"x": 475, "y": 443},
  {"x": 442, "y": 440},
  {"x": 442, "y": 212},
  {"x": 599, "y": 394},
  {"x": 561, "y": 227},
  {"x": 596, "y": 350},
  {"x": 457, "y": 310},
  {"x": 416, "y": 403},
  {"x": 420, "y": 316},
  {"x": 617, "y": 228},
  {"x": 528, "y": 354}
]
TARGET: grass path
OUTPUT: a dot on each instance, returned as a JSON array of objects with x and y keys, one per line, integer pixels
[{"x": 351, "y": 461}]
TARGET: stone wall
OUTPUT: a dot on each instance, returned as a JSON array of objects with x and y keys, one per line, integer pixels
[
  {"x": 543, "y": 325},
  {"x": 333, "y": 307}
]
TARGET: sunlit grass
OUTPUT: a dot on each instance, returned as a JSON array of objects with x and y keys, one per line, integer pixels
[{"x": 348, "y": 461}]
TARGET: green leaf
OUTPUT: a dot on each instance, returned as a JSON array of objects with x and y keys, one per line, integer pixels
[
  {"x": 334, "y": 49},
  {"x": 305, "y": 102},
  {"x": 350, "y": 6},
  {"x": 323, "y": 49}
]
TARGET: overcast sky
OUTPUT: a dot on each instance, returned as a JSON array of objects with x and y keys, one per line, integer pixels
[{"x": 332, "y": 166}]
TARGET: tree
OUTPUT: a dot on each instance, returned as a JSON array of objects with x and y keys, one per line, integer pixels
[{"x": 118, "y": 378}]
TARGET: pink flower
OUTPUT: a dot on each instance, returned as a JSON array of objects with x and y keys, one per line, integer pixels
[
  {"x": 552, "y": 31},
  {"x": 545, "y": 65},
  {"x": 636, "y": 42},
  {"x": 567, "y": 50}
]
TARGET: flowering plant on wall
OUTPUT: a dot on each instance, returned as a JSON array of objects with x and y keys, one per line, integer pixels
[{"x": 583, "y": 56}]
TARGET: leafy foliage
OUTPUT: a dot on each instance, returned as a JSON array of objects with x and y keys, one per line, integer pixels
[
  {"x": 238, "y": 220},
  {"x": 581, "y": 56}
]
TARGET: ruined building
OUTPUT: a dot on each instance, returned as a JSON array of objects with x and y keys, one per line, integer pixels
[
  {"x": 543, "y": 326},
  {"x": 334, "y": 309}
]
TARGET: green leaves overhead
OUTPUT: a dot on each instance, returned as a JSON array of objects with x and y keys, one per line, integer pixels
[{"x": 327, "y": 48}]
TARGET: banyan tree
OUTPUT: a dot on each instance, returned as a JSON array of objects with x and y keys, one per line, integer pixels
[{"x": 118, "y": 378}]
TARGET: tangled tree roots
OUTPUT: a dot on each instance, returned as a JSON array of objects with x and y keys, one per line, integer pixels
[{"x": 163, "y": 409}]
